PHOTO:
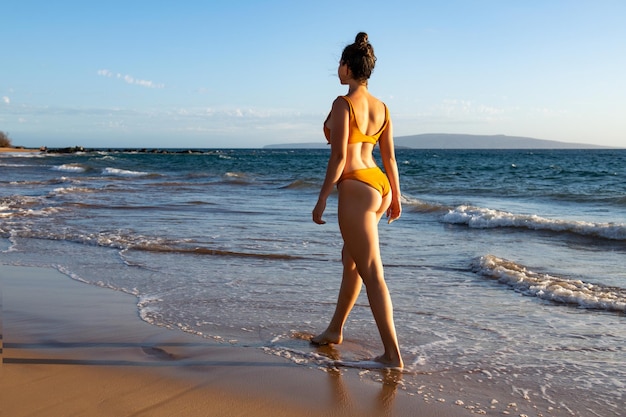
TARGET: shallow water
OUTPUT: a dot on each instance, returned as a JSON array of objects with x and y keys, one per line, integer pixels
[{"x": 506, "y": 268}]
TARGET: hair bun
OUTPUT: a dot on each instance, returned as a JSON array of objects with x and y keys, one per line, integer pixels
[
  {"x": 359, "y": 57},
  {"x": 361, "y": 39}
]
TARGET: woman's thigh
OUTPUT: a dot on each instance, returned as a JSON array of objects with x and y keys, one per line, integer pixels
[{"x": 360, "y": 209}]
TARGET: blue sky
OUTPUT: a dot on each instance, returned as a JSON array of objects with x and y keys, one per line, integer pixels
[{"x": 250, "y": 73}]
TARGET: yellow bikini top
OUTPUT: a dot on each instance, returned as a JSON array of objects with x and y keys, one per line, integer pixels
[{"x": 355, "y": 135}]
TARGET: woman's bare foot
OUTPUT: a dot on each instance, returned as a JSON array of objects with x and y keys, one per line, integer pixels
[
  {"x": 389, "y": 363},
  {"x": 327, "y": 338}
]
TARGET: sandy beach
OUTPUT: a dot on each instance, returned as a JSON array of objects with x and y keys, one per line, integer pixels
[
  {"x": 19, "y": 150},
  {"x": 74, "y": 349}
]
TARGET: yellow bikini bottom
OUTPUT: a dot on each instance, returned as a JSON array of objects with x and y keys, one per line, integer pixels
[{"x": 373, "y": 177}]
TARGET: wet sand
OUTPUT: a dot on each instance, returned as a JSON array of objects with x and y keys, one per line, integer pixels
[{"x": 70, "y": 348}]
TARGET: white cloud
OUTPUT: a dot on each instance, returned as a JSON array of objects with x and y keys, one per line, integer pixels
[
  {"x": 462, "y": 109},
  {"x": 6, "y": 100},
  {"x": 129, "y": 79},
  {"x": 105, "y": 73}
]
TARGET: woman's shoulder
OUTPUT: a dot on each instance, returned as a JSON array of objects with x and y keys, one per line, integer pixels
[
  {"x": 373, "y": 101},
  {"x": 377, "y": 105},
  {"x": 368, "y": 101},
  {"x": 378, "y": 102},
  {"x": 342, "y": 103}
]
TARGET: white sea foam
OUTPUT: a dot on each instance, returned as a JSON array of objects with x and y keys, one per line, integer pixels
[
  {"x": 298, "y": 356},
  {"x": 483, "y": 218},
  {"x": 548, "y": 287},
  {"x": 69, "y": 273},
  {"x": 22, "y": 155},
  {"x": 46, "y": 211},
  {"x": 15, "y": 206},
  {"x": 69, "y": 168},
  {"x": 70, "y": 190},
  {"x": 123, "y": 172},
  {"x": 235, "y": 175},
  {"x": 13, "y": 165},
  {"x": 106, "y": 157},
  {"x": 149, "y": 310}
]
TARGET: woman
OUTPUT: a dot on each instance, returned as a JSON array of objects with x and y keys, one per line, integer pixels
[{"x": 355, "y": 124}]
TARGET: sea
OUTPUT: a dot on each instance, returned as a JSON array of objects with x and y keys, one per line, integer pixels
[{"x": 507, "y": 269}]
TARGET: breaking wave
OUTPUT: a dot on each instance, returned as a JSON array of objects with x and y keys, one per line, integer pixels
[
  {"x": 483, "y": 218},
  {"x": 70, "y": 168},
  {"x": 123, "y": 172},
  {"x": 548, "y": 287}
]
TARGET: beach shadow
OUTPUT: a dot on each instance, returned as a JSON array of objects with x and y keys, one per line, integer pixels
[
  {"x": 153, "y": 355},
  {"x": 168, "y": 363}
]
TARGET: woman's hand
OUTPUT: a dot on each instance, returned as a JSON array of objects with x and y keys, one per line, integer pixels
[
  {"x": 394, "y": 211},
  {"x": 318, "y": 211}
]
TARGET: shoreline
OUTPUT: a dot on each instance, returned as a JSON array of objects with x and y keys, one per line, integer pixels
[{"x": 72, "y": 348}]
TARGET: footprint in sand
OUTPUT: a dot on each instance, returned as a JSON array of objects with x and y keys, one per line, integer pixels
[{"x": 158, "y": 353}]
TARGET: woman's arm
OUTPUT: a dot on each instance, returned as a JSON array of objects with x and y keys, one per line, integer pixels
[
  {"x": 388, "y": 156},
  {"x": 339, "y": 119}
]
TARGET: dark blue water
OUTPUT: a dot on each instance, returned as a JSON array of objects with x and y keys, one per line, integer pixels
[{"x": 506, "y": 268}]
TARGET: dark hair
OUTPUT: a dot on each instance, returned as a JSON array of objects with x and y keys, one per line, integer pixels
[{"x": 359, "y": 57}]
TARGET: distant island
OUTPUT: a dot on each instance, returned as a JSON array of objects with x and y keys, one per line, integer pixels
[{"x": 460, "y": 141}]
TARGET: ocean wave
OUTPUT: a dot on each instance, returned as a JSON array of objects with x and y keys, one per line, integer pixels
[
  {"x": 6, "y": 212},
  {"x": 123, "y": 240},
  {"x": 53, "y": 181},
  {"x": 24, "y": 154},
  {"x": 235, "y": 175},
  {"x": 75, "y": 276},
  {"x": 123, "y": 172},
  {"x": 24, "y": 206},
  {"x": 13, "y": 165},
  {"x": 420, "y": 206},
  {"x": 212, "y": 252},
  {"x": 236, "y": 178},
  {"x": 70, "y": 168},
  {"x": 70, "y": 190},
  {"x": 104, "y": 157},
  {"x": 233, "y": 178},
  {"x": 557, "y": 289},
  {"x": 299, "y": 185},
  {"x": 483, "y": 218}
]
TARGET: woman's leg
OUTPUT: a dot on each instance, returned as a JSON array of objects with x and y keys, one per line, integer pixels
[
  {"x": 348, "y": 294},
  {"x": 360, "y": 209}
]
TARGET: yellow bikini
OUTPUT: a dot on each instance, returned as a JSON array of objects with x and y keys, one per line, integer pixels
[
  {"x": 355, "y": 135},
  {"x": 373, "y": 176}
]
